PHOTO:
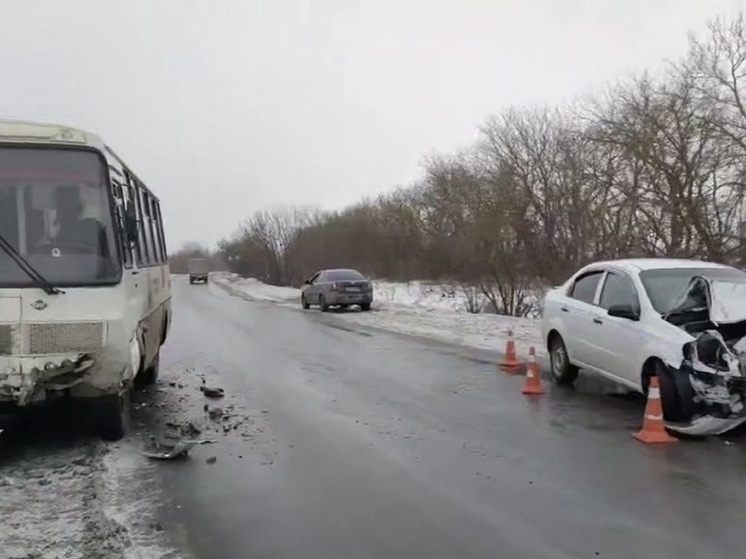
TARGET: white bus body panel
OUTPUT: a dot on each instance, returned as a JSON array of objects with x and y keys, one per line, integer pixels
[{"x": 90, "y": 341}]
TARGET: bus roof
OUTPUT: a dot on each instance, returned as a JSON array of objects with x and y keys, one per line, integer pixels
[
  {"x": 33, "y": 132},
  {"x": 26, "y": 131}
]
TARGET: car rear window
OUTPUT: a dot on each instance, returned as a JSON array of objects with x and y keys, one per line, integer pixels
[
  {"x": 665, "y": 287},
  {"x": 342, "y": 275}
]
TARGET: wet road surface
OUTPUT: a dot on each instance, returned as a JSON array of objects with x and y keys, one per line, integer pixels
[{"x": 363, "y": 444}]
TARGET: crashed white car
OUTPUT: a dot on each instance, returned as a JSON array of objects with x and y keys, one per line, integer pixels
[{"x": 682, "y": 320}]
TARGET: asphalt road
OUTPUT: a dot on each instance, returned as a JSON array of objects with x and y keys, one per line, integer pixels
[{"x": 364, "y": 444}]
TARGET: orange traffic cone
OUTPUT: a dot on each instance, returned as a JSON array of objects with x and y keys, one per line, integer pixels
[
  {"x": 533, "y": 377},
  {"x": 510, "y": 364},
  {"x": 653, "y": 430}
]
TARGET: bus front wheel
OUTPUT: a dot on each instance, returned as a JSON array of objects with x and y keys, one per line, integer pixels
[
  {"x": 149, "y": 375},
  {"x": 111, "y": 415}
]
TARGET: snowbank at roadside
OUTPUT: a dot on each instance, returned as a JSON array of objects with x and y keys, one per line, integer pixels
[
  {"x": 256, "y": 290},
  {"x": 415, "y": 308}
]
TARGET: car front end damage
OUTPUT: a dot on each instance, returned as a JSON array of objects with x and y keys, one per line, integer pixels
[
  {"x": 711, "y": 379},
  {"x": 714, "y": 371}
]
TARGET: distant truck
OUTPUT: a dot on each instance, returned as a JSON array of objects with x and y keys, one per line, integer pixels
[{"x": 198, "y": 270}]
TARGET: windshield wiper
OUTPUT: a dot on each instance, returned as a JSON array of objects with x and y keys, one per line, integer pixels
[{"x": 24, "y": 265}]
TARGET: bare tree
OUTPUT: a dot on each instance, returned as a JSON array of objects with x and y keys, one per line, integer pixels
[{"x": 655, "y": 167}]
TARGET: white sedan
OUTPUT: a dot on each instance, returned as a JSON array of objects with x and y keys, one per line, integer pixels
[{"x": 682, "y": 320}]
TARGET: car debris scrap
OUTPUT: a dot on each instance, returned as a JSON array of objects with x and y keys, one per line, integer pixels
[
  {"x": 162, "y": 450},
  {"x": 167, "y": 450},
  {"x": 212, "y": 392}
]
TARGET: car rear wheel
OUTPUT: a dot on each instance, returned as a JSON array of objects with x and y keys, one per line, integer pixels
[
  {"x": 365, "y": 306},
  {"x": 304, "y": 303},
  {"x": 563, "y": 371}
]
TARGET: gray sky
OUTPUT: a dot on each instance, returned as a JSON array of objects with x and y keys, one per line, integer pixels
[{"x": 227, "y": 106}]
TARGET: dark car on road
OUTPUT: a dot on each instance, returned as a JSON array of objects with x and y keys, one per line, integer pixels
[{"x": 341, "y": 287}]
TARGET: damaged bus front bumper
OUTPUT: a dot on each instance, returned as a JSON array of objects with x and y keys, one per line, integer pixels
[{"x": 27, "y": 379}]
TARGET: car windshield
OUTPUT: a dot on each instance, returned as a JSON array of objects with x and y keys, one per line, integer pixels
[
  {"x": 343, "y": 275},
  {"x": 54, "y": 210},
  {"x": 665, "y": 287}
]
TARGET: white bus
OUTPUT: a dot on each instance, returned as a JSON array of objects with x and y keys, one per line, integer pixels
[{"x": 85, "y": 290}]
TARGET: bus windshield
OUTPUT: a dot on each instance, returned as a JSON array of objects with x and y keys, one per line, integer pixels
[{"x": 54, "y": 211}]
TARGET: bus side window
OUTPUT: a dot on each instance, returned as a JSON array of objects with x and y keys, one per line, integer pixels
[
  {"x": 152, "y": 243},
  {"x": 131, "y": 202},
  {"x": 156, "y": 232},
  {"x": 118, "y": 193},
  {"x": 142, "y": 226},
  {"x": 161, "y": 235}
]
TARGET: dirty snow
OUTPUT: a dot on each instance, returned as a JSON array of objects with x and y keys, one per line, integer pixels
[
  {"x": 257, "y": 290},
  {"x": 84, "y": 498},
  {"x": 89, "y": 500},
  {"x": 415, "y": 308}
]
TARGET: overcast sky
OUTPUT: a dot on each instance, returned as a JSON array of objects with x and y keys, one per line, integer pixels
[{"x": 227, "y": 106}]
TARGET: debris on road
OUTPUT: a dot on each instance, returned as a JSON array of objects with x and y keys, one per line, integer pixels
[
  {"x": 160, "y": 450},
  {"x": 191, "y": 429},
  {"x": 215, "y": 413},
  {"x": 212, "y": 392},
  {"x": 211, "y": 460},
  {"x": 203, "y": 441}
]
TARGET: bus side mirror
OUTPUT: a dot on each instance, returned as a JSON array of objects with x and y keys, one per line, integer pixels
[{"x": 130, "y": 224}]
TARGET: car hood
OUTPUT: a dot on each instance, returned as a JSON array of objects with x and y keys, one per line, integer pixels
[{"x": 724, "y": 299}]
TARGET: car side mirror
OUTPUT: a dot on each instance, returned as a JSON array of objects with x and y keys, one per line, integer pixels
[
  {"x": 307, "y": 282},
  {"x": 624, "y": 311},
  {"x": 130, "y": 224}
]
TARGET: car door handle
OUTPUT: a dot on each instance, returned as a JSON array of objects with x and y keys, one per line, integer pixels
[
  {"x": 598, "y": 321},
  {"x": 565, "y": 309}
]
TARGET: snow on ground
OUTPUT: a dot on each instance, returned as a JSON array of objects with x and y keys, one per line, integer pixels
[
  {"x": 89, "y": 500},
  {"x": 416, "y": 308},
  {"x": 259, "y": 291}
]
